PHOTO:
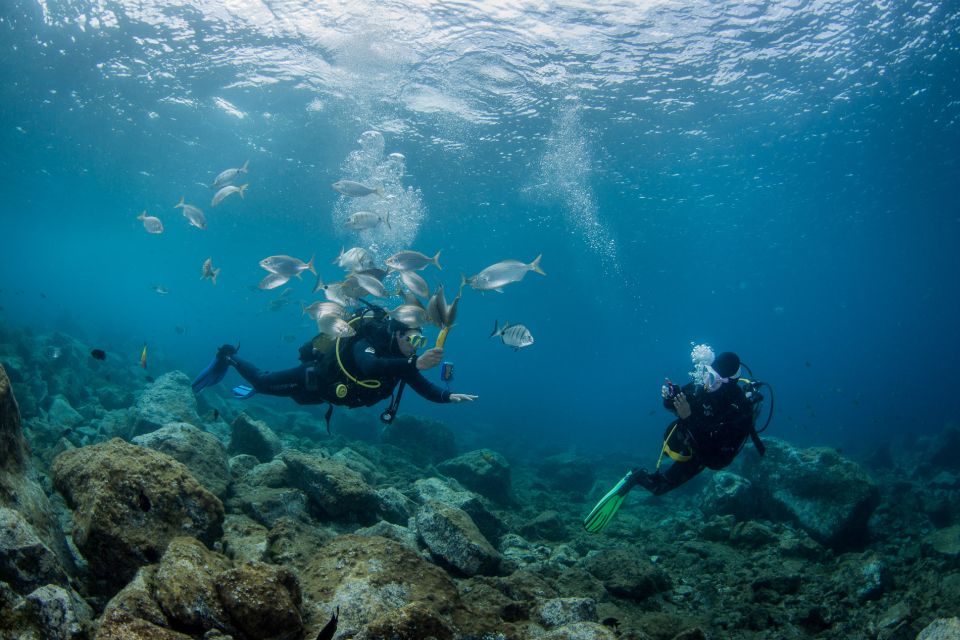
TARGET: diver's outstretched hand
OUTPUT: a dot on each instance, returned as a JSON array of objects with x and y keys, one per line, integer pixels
[
  {"x": 682, "y": 405},
  {"x": 429, "y": 359},
  {"x": 462, "y": 397}
]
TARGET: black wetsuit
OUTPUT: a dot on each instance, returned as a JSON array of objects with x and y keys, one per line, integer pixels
[
  {"x": 301, "y": 383},
  {"x": 718, "y": 426}
]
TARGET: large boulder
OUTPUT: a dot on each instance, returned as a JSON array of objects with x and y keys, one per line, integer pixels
[
  {"x": 53, "y": 612},
  {"x": 337, "y": 490},
  {"x": 627, "y": 573},
  {"x": 827, "y": 495},
  {"x": 449, "y": 492},
  {"x": 568, "y": 472},
  {"x": 128, "y": 503},
  {"x": 426, "y": 441},
  {"x": 727, "y": 493},
  {"x": 26, "y": 563},
  {"x": 484, "y": 471},
  {"x": 168, "y": 399},
  {"x": 253, "y": 437},
  {"x": 20, "y": 488},
  {"x": 454, "y": 539},
  {"x": 201, "y": 452}
]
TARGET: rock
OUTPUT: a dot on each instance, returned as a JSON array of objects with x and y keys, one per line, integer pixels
[
  {"x": 752, "y": 534},
  {"x": 393, "y": 506},
  {"x": 57, "y": 613},
  {"x": 253, "y": 437},
  {"x": 241, "y": 464},
  {"x": 941, "y": 629},
  {"x": 427, "y": 441},
  {"x": 484, "y": 471},
  {"x": 944, "y": 544},
  {"x": 128, "y": 503},
  {"x": 19, "y": 487},
  {"x": 627, "y": 574},
  {"x": 369, "y": 578},
  {"x": 62, "y": 414},
  {"x": 263, "y": 601},
  {"x": 267, "y": 505},
  {"x": 548, "y": 525},
  {"x": 132, "y": 614},
  {"x": 581, "y": 631},
  {"x": 337, "y": 490},
  {"x": 557, "y": 612},
  {"x": 568, "y": 472},
  {"x": 268, "y": 474},
  {"x": 453, "y": 538},
  {"x": 201, "y": 452},
  {"x": 243, "y": 539},
  {"x": 26, "y": 563},
  {"x": 390, "y": 531},
  {"x": 830, "y": 497},
  {"x": 409, "y": 622},
  {"x": 358, "y": 463},
  {"x": 185, "y": 586},
  {"x": 450, "y": 493},
  {"x": 168, "y": 399},
  {"x": 729, "y": 494}
]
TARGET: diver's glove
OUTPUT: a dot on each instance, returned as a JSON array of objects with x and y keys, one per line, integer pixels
[{"x": 669, "y": 390}]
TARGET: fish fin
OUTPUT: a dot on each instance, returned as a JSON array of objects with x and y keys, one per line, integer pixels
[
  {"x": 535, "y": 265},
  {"x": 319, "y": 284},
  {"x": 142, "y": 216},
  {"x": 494, "y": 332},
  {"x": 310, "y": 266},
  {"x": 386, "y": 219},
  {"x": 243, "y": 188},
  {"x": 179, "y": 204},
  {"x": 246, "y": 164},
  {"x": 499, "y": 289},
  {"x": 337, "y": 259},
  {"x": 216, "y": 272},
  {"x": 436, "y": 260}
]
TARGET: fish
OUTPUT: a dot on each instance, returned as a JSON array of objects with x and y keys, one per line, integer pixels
[
  {"x": 229, "y": 175},
  {"x": 318, "y": 309},
  {"x": 98, "y": 354},
  {"x": 434, "y": 315},
  {"x": 497, "y": 275},
  {"x": 409, "y": 315},
  {"x": 366, "y": 220},
  {"x": 287, "y": 266},
  {"x": 334, "y": 326},
  {"x": 330, "y": 629},
  {"x": 143, "y": 357},
  {"x": 355, "y": 259},
  {"x": 334, "y": 293},
  {"x": 450, "y": 317},
  {"x": 412, "y": 261},
  {"x": 216, "y": 414},
  {"x": 272, "y": 281},
  {"x": 180, "y": 329},
  {"x": 209, "y": 271},
  {"x": 513, "y": 335},
  {"x": 160, "y": 289},
  {"x": 151, "y": 223},
  {"x": 219, "y": 196},
  {"x": 415, "y": 283},
  {"x": 192, "y": 214},
  {"x": 371, "y": 285},
  {"x": 379, "y": 274},
  {"x": 353, "y": 189}
]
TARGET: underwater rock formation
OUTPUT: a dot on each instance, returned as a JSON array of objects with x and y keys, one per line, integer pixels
[
  {"x": 199, "y": 451},
  {"x": 455, "y": 540},
  {"x": 168, "y": 399},
  {"x": 253, "y": 437},
  {"x": 336, "y": 489},
  {"x": 426, "y": 441},
  {"x": 484, "y": 471}
]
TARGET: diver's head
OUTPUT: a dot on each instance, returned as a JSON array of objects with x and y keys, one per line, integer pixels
[
  {"x": 725, "y": 368},
  {"x": 407, "y": 340}
]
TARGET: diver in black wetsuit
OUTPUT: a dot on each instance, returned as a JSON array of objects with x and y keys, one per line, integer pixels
[
  {"x": 714, "y": 420},
  {"x": 367, "y": 370}
]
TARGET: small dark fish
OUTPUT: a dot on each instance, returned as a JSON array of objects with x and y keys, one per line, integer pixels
[
  {"x": 330, "y": 628},
  {"x": 807, "y": 363},
  {"x": 613, "y": 623},
  {"x": 180, "y": 329},
  {"x": 43, "y": 295},
  {"x": 149, "y": 378},
  {"x": 98, "y": 354},
  {"x": 216, "y": 414}
]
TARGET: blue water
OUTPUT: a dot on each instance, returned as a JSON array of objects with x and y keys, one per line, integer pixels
[{"x": 777, "y": 179}]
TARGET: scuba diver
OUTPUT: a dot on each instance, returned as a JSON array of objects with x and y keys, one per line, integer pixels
[
  {"x": 359, "y": 370},
  {"x": 716, "y": 413}
]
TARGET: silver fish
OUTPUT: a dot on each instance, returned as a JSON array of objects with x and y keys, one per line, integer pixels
[
  {"x": 287, "y": 266},
  {"x": 318, "y": 309},
  {"x": 272, "y": 281},
  {"x": 353, "y": 189},
  {"x": 412, "y": 261},
  {"x": 334, "y": 326},
  {"x": 433, "y": 308},
  {"x": 409, "y": 315},
  {"x": 355, "y": 259},
  {"x": 366, "y": 220},
  {"x": 371, "y": 285},
  {"x": 334, "y": 293},
  {"x": 228, "y": 176},
  {"x": 209, "y": 271},
  {"x": 415, "y": 283},
  {"x": 497, "y": 275},
  {"x": 192, "y": 213},
  {"x": 379, "y": 274},
  {"x": 150, "y": 223},
  {"x": 226, "y": 191},
  {"x": 450, "y": 317},
  {"x": 513, "y": 335}
]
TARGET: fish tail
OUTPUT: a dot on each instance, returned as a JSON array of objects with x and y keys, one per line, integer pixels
[
  {"x": 463, "y": 283},
  {"x": 243, "y": 169},
  {"x": 436, "y": 260},
  {"x": 215, "y": 273},
  {"x": 142, "y": 216},
  {"x": 337, "y": 259},
  {"x": 179, "y": 204},
  {"x": 379, "y": 191},
  {"x": 319, "y": 284},
  {"x": 535, "y": 265},
  {"x": 495, "y": 332},
  {"x": 386, "y": 219},
  {"x": 243, "y": 188},
  {"x": 310, "y": 266}
]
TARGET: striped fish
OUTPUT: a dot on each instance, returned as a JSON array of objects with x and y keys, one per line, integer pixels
[{"x": 513, "y": 335}]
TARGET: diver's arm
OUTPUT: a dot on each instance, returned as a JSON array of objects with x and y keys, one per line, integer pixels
[
  {"x": 424, "y": 387},
  {"x": 370, "y": 365}
]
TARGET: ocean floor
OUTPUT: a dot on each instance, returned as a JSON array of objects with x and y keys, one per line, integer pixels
[{"x": 130, "y": 508}]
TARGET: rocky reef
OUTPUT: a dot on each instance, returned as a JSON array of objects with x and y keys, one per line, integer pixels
[{"x": 137, "y": 514}]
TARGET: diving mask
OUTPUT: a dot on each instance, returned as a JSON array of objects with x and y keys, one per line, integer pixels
[
  {"x": 416, "y": 340},
  {"x": 711, "y": 379}
]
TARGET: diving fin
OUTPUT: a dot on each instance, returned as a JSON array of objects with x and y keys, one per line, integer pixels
[
  {"x": 243, "y": 392},
  {"x": 215, "y": 371},
  {"x": 603, "y": 512}
]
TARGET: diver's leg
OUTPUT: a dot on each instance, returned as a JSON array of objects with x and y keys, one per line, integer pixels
[
  {"x": 274, "y": 383},
  {"x": 679, "y": 472}
]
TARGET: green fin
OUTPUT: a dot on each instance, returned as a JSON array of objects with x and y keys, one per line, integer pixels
[{"x": 603, "y": 513}]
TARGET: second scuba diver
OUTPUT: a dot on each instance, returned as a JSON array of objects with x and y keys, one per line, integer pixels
[
  {"x": 357, "y": 371},
  {"x": 716, "y": 413}
]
